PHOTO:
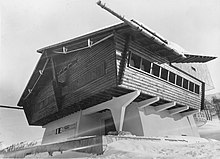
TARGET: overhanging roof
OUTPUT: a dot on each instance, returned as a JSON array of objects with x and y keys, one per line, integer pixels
[
  {"x": 193, "y": 59},
  {"x": 173, "y": 52}
]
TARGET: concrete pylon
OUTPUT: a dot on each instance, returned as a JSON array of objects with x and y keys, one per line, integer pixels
[{"x": 117, "y": 107}]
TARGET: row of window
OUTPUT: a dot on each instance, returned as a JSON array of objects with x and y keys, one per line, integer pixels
[{"x": 154, "y": 69}]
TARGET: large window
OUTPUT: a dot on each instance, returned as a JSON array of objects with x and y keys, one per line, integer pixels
[
  {"x": 144, "y": 65},
  {"x": 172, "y": 77},
  {"x": 135, "y": 61},
  {"x": 191, "y": 86},
  {"x": 196, "y": 88},
  {"x": 164, "y": 73},
  {"x": 179, "y": 81},
  {"x": 185, "y": 83},
  {"x": 156, "y": 70}
]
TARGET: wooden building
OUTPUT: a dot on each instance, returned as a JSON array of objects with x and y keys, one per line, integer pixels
[{"x": 117, "y": 78}]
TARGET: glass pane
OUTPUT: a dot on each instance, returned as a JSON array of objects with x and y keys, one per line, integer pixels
[
  {"x": 196, "y": 88},
  {"x": 146, "y": 65},
  {"x": 156, "y": 70},
  {"x": 172, "y": 77},
  {"x": 191, "y": 86},
  {"x": 135, "y": 61},
  {"x": 164, "y": 73},
  {"x": 179, "y": 81},
  {"x": 185, "y": 83}
]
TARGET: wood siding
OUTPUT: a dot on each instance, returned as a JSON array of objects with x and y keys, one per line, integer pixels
[
  {"x": 94, "y": 72},
  {"x": 44, "y": 103},
  {"x": 80, "y": 75},
  {"x": 149, "y": 84}
]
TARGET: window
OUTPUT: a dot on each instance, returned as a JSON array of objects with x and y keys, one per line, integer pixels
[
  {"x": 59, "y": 130},
  {"x": 196, "y": 88},
  {"x": 185, "y": 83},
  {"x": 179, "y": 81},
  {"x": 156, "y": 70},
  {"x": 172, "y": 77},
  {"x": 146, "y": 65},
  {"x": 191, "y": 86},
  {"x": 164, "y": 73},
  {"x": 135, "y": 61}
]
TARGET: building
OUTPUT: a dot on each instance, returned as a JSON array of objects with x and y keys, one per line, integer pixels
[{"x": 121, "y": 78}]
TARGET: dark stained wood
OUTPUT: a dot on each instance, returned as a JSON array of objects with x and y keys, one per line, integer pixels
[
  {"x": 135, "y": 79},
  {"x": 85, "y": 78},
  {"x": 124, "y": 58},
  {"x": 78, "y": 81}
]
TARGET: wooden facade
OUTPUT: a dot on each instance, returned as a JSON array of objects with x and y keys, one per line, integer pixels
[
  {"x": 83, "y": 72},
  {"x": 135, "y": 77}
]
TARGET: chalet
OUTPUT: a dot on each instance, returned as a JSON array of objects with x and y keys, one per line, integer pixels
[{"x": 120, "y": 78}]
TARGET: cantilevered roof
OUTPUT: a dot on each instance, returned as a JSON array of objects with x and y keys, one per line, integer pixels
[
  {"x": 193, "y": 59},
  {"x": 173, "y": 52}
]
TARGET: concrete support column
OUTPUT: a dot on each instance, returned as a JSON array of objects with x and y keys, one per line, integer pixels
[{"x": 117, "y": 107}]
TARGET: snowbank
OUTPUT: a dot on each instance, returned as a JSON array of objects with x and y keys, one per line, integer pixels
[
  {"x": 211, "y": 129},
  {"x": 134, "y": 149}
]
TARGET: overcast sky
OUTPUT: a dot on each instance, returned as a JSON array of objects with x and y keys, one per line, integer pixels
[{"x": 28, "y": 25}]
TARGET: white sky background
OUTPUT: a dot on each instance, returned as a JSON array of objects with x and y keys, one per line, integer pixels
[{"x": 27, "y": 25}]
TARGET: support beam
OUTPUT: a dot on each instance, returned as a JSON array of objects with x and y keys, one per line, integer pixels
[
  {"x": 164, "y": 106},
  {"x": 189, "y": 113},
  {"x": 148, "y": 102},
  {"x": 178, "y": 110},
  {"x": 117, "y": 107}
]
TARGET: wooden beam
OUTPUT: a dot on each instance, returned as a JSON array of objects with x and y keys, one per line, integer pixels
[
  {"x": 148, "y": 102},
  {"x": 11, "y": 107},
  {"x": 189, "y": 113},
  {"x": 178, "y": 110},
  {"x": 56, "y": 86},
  {"x": 164, "y": 106}
]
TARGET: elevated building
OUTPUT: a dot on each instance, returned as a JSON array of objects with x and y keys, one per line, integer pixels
[{"x": 119, "y": 78}]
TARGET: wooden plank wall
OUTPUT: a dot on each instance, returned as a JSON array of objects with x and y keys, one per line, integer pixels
[
  {"x": 44, "y": 103},
  {"x": 81, "y": 74},
  {"x": 93, "y": 70},
  {"x": 149, "y": 84}
]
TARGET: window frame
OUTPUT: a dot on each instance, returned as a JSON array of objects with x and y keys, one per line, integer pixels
[{"x": 160, "y": 74}]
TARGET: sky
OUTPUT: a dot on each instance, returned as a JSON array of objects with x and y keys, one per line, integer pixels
[{"x": 29, "y": 25}]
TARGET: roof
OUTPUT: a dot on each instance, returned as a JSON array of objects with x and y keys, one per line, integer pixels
[
  {"x": 167, "y": 48},
  {"x": 193, "y": 58},
  {"x": 100, "y": 31}
]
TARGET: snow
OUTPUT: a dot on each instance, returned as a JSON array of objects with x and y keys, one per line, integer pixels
[
  {"x": 140, "y": 147},
  {"x": 211, "y": 129},
  {"x": 169, "y": 147}
]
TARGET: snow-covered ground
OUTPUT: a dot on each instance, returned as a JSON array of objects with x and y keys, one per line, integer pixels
[
  {"x": 155, "y": 149},
  {"x": 211, "y": 129},
  {"x": 149, "y": 149}
]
